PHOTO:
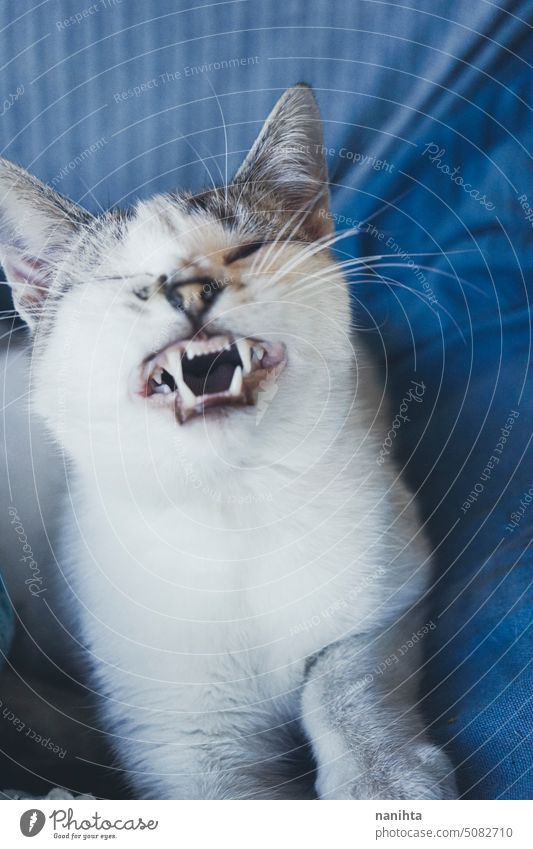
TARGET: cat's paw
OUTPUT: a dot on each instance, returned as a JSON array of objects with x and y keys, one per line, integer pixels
[{"x": 416, "y": 771}]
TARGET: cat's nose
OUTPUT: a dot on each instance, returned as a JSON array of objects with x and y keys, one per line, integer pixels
[{"x": 193, "y": 297}]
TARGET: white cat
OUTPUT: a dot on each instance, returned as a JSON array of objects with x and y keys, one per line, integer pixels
[{"x": 243, "y": 572}]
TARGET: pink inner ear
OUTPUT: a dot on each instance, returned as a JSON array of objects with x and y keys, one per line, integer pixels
[{"x": 28, "y": 271}]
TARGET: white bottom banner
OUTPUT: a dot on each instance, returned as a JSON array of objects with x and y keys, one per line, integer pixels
[{"x": 264, "y": 825}]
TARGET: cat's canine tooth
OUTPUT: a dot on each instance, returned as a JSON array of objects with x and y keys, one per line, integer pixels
[
  {"x": 156, "y": 374},
  {"x": 236, "y": 382},
  {"x": 243, "y": 347},
  {"x": 187, "y": 395},
  {"x": 259, "y": 353},
  {"x": 172, "y": 364}
]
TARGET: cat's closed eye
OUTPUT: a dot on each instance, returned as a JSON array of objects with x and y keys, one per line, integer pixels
[{"x": 242, "y": 251}]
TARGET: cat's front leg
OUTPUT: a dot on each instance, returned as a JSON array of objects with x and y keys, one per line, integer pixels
[
  {"x": 229, "y": 769},
  {"x": 360, "y": 713}
]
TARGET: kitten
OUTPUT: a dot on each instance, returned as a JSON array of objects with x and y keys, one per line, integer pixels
[{"x": 242, "y": 570}]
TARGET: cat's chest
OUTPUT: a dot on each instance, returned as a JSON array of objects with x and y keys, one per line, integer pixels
[{"x": 204, "y": 602}]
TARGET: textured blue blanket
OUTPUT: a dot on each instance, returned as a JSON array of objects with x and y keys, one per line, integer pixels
[{"x": 6, "y": 622}]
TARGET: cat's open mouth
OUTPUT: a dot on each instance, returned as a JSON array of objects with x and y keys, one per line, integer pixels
[{"x": 196, "y": 375}]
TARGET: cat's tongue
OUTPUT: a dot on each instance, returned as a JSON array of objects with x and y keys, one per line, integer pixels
[{"x": 199, "y": 374}]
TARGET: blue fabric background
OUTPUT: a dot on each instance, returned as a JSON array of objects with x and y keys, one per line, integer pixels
[
  {"x": 6, "y": 622},
  {"x": 391, "y": 78}
]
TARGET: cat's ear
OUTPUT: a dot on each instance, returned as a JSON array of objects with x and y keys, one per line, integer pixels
[
  {"x": 286, "y": 165},
  {"x": 37, "y": 226}
]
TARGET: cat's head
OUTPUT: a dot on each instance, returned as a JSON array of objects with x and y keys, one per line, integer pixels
[{"x": 191, "y": 326}]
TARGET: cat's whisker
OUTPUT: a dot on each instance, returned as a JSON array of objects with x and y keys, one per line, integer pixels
[
  {"x": 17, "y": 284},
  {"x": 202, "y": 160},
  {"x": 396, "y": 284},
  {"x": 307, "y": 209},
  {"x": 330, "y": 239},
  {"x": 212, "y": 157},
  {"x": 373, "y": 262},
  {"x": 431, "y": 270},
  {"x": 289, "y": 266},
  {"x": 9, "y": 333},
  {"x": 364, "y": 277},
  {"x": 318, "y": 246},
  {"x": 315, "y": 247},
  {"x": 358, "y": 261},
  {"x": 124, "y": 276},
  {"x": 90, "y": 192},
  {"x": 359, "y": 228},
  {"x": 305, "y": 253},
  {"x": 215, "y": 95},
  {"x": 296, "y": 218}
]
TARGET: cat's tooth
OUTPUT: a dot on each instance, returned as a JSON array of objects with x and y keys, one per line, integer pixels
[
  {"x": 220, "y": 344},
  {"x": 236, "y": 382},
  {"x": 156, "y": 374},
  {"x": 163, "y": 389},
  {"x": 259, "y": 353},
  {"x": 195, "y": 349},
  {"x": 244, "y": 353},
  {"x": 187, "y": 395},
  {"x": 173, "y": 365}
]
